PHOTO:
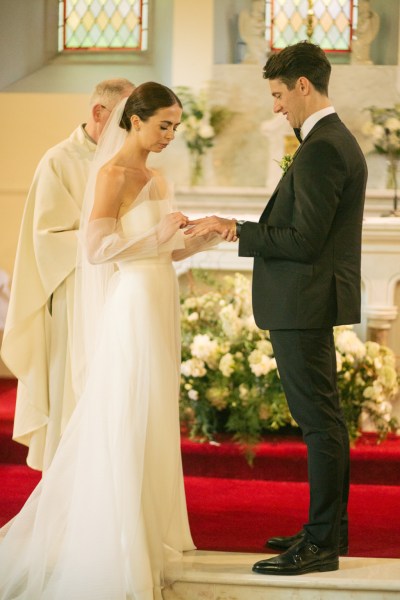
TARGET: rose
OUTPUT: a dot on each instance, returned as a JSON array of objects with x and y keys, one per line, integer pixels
[{"x": 193, "y": 367}]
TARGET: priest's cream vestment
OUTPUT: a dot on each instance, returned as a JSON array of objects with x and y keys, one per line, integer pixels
[{"x": 37, "y": 335}]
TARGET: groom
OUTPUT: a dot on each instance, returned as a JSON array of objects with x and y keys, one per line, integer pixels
[{"x": 306, "y": 279}]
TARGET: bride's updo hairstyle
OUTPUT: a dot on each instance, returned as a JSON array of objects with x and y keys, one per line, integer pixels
[{"x": 146, "y": 100}]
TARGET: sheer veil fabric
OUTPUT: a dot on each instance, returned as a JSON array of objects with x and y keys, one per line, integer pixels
[
  {"x": 91, "y": 283},
  {"x": 109, "y": 521}
]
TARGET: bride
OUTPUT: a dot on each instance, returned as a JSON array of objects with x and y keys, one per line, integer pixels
[{"x": 108, "y": 521}]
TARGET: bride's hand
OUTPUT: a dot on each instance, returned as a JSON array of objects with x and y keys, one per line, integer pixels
[{"x": 169, "y": 225}]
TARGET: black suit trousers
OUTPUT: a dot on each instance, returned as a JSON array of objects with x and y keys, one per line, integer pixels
[{"x": 306, "y": 361}]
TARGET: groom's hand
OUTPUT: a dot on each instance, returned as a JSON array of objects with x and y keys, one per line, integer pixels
[{"x": 225, "y": 227}]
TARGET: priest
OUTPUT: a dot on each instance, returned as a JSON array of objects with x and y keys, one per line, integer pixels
[{"x": 38, "y": 330}]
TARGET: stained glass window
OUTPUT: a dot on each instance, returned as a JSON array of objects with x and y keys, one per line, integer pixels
[
  {"x": 328, "y": 23},
  {"x": 107, "y": 25}
]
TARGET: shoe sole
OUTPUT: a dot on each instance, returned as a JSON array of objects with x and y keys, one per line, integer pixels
[{"x": 331, "y": 566}]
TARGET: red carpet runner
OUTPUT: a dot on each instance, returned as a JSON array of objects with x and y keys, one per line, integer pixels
[{"x": 234, "y": 507}]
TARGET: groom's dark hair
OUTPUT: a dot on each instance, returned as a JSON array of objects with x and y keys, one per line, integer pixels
[{"x": 300, "y": 60}]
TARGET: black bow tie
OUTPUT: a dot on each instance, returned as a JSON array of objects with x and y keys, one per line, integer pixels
[{"x": 297, "y": 133}]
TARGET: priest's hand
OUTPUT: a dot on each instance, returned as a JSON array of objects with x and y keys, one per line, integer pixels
[{"x": 225, "y": 227}]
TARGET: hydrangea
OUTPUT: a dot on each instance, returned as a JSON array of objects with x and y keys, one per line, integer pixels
[
  {"x": 230, "y": 321},
  {"x": 388, "y": 377},
  {"x": 217, "y": 397},
  {"x": 265, "y": 347},
  {"x": 348, "y": 343},
  {"x": 260, "y": 363},
  {"x": 204, "y": 348},
  {"x": 227, "y": 364}
]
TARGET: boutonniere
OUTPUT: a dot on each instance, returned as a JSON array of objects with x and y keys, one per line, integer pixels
[{"x": 285, "y": 162}]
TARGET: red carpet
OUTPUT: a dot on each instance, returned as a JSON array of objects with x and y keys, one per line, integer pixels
[
  {"x": 16, "y": 483},
  {"x": 239, "y": 515},
  {"x": 235, "y": 507},
  {"x": 284, "y": 458}
]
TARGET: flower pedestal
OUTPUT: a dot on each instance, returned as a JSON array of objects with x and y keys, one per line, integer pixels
[
  {"x": 196, "y": 168},
  {"x": 392, "y": 182},
  {"x": 392, "y": 173}
]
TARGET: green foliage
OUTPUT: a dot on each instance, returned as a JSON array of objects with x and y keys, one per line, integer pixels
[{"x": 201, "y": 120}]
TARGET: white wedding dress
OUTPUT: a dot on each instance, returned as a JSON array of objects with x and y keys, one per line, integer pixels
[{"x": 108, "y": 521}]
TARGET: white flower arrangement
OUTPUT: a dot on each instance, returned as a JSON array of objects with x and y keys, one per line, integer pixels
[
  {"x": 201, "y": 120},
  {"x": 383, "y": 128},
  {"x": 230, "y": 381}
]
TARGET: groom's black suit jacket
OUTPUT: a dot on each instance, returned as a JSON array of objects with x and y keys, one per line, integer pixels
[{"x": 307, "y": 244}]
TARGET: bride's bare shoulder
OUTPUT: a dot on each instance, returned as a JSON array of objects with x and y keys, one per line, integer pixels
[{"x": 112, "y": 172}]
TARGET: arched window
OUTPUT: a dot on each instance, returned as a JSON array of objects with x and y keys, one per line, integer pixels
[
  {"x": 103, "y": 25},
  {"x": 328, "y": 23}
]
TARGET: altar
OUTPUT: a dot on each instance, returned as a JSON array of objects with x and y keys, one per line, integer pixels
[{"x": 380, "y": 250}]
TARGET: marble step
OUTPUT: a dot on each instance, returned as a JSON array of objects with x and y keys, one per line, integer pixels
[{"x": 228, "y": 576}]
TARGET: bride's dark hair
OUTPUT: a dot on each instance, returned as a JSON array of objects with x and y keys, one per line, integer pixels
[{"x": 145, "y": 100}]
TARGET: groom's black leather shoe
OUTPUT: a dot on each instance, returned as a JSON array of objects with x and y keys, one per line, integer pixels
[
  {"x": 303, "y": 557},
  {"x": 284, "y": 542}
]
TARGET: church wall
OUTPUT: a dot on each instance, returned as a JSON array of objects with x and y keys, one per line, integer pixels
[
  {"x": 22, "y": 39},
  {"x": 242, "y": 154},
  {"x": 193, "y": 46},
  {"x": 30, "y": 60},
  {"x": 227, "y": 46},
  {"x": 384, "y": 49},
  {"x": 30, "y": 124}
]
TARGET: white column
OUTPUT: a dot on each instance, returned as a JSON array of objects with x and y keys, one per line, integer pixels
[
  {"x": 380, "y": 320},
  {"x": 380, "y": 273},
  {"x": 193, "y": 40}
]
